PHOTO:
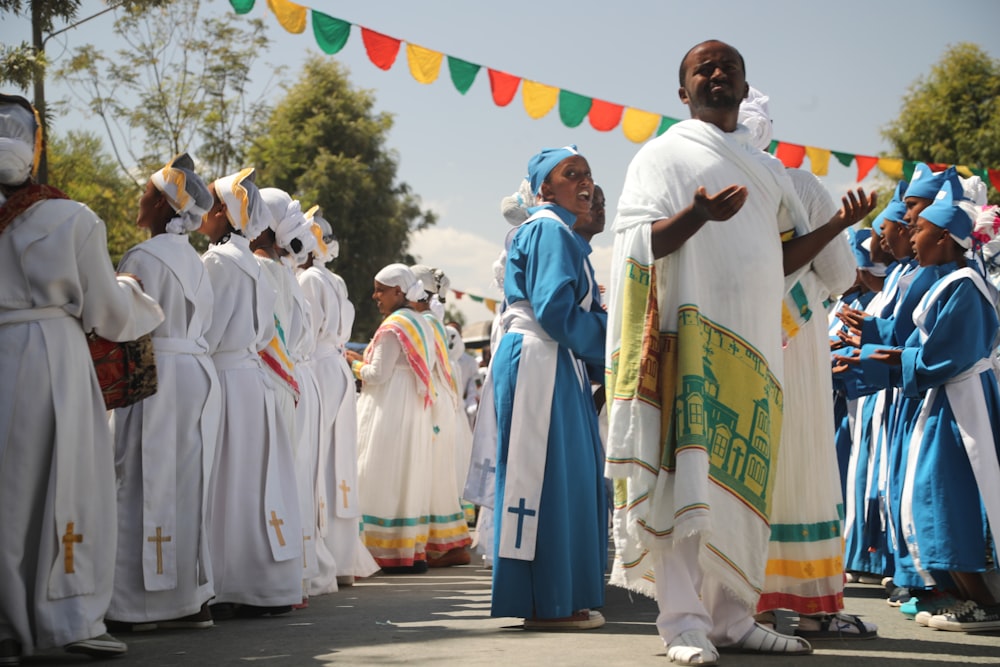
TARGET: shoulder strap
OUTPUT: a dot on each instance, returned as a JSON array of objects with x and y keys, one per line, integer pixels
[{"x": 25, "y": 198}]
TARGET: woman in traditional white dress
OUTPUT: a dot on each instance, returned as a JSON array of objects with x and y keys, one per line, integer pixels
[
  {"x": 341, "y": 554},
  {"x": 164, "y": 445},
  {"x": 57, "y": 479},
  {"x": 254, "y": 523},
  {"x": 395, "y": 430},
  {"x": 448, "y": 533}
]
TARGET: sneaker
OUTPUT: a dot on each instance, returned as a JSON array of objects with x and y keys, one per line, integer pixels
[
  {"x": 935, "y": 602},
  {"x": 898, "y": 596},
  {"x": 104, "y": 646},
  {"x": 200, "y": 619},
  {"x": 10, "y": 652},
  {"x": 968, "y": 617}
]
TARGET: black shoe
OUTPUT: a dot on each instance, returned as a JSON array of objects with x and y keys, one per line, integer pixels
[
  {"x": 252, "y": 611},
  {"x": 10, "y": 652},
  {"x": 196, "y": 621},
  {"x": 122, "y": 626},
  {"x": 418, "y": 567},
  {"x": 898, "y": 596}
]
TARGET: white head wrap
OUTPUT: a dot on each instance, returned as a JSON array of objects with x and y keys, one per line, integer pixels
[
  {"x": 456, "y": 346},
  {"x": 400, "y": 275},
  {"x": 754, "y": 115},
  {"x": 289, "y": 223},
  {"x": 244, "y": 207},
  {"x": 515, "y": 207},
  {"x": 186, "y": 193},
  {"x": 436, "y": 283},
  {"x": 324, "y": 246},
  {"x": 20, "y": 140}
]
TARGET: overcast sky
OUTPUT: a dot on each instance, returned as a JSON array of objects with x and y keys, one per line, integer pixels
[{"x": 836, "y": 73}]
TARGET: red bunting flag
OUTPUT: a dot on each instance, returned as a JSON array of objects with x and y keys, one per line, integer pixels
[
  {"x": 791, "y": 155},
  {"x": 458, "y": 295},
  {"x": 865, "y": 164},
  {"x": 995, "y": 178},
  {"x": 503, "y": 85},
  {"x": 382, "y": 49},
  {"x": 605, "y": 116}
]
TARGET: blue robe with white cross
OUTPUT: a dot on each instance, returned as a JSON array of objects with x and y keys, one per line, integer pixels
[{"x": 547, "y": 266}]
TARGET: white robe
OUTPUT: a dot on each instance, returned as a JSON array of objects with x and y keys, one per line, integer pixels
[
  {"x": 254, "y": 526},
  {"x": 339, "y": 548},
  {"x": 56, "y": 457},
  {"x": 164, "y": 446}
]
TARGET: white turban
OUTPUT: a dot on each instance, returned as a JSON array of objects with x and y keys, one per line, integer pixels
[
  {"x": 515, "y": 207},
  {"x": 244, "y": 207},
  {"x": 456, "y": 346},
  {"x": 288, "y": 221},
  {"x": 324, "y": 247},
  {"x": 400, "y": 275},
  {"x": 754, "y": 115},
  {"x": 186, "y": 193},
  {"x": 20, "y": 140}
]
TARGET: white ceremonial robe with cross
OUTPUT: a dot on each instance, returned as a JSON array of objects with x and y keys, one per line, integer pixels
[{"x": 57, "y": 526}]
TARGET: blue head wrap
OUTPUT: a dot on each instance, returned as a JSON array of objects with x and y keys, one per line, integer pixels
[
  {"x": 544, "y": 162},
  {"x": 894, "y": 210},
  {"x": 926, "y": 184},
  {"x": 946, "y": 214},
  {"x": 861, "y": 253}
]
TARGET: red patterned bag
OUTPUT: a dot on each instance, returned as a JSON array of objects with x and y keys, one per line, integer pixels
[{"x": 126, "y": 371}]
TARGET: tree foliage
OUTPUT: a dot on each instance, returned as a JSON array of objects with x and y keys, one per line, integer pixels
[
  {"x": 952, "y": 116},
  {"x": 181, "y": 83},
  {"x": 325, "y": 145},
  {"x": 80, "y": 166}
]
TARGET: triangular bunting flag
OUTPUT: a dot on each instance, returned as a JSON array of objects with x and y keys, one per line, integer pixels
[
  {"x": 994, "y": 178},
  {"x": 291, "y": 16},
  {"x": 964, "y": 171},
  {"x": 773, "y": 146},
  {"x": 665, "y": 124},
  {"x": 843, "y": 158},
  {"x": 573, "y": 108},
  {"x": 791, "y": 155},
  {"x": 382, "y": 49},
  {"x": 865, "y": 165},
  {"x": 331, "y": 34},
  {"x": 605, "y": 116},
  {"x": 458, "y": 295},
  {"x": 908, "y": 168},
  {"x": 503, "y": 86},
  {"x": 463, "y": 73},
  {"x": 491, "y": 304},
  {"x": 241, "y": 6},
  {"x": 538, "y": 98},
  {"x": 891, "y": 167},
  {"x": 425, "y": 65},
  {"x": 819, "y": 160},
  {"x": 639, "y": 125}
]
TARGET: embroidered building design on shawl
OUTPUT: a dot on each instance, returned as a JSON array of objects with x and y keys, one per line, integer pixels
[{"x": 408, "y": 330}]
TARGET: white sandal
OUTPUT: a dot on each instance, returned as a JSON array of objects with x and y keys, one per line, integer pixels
[
  {"x": 761, "y": 639},
  {"x": 692, "y": 648}
]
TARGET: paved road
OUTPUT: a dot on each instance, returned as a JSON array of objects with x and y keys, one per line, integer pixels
[{"x": 442, "y": 618}]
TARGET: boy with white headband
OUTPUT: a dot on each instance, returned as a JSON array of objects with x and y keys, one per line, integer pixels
[
  {"x": 166, "y": 443},
  {"x": 57, "y": 476},
  {"x": 254, "y": 523}
]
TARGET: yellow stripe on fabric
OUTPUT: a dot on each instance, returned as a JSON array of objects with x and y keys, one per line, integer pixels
[
  {"x": 291, "y": 16},
  {"x": 638, "y": 125},
  {"x": 819, "y": 160},
  {"x": 279, "y": 351},
  {"x": 893, "y": 168},
  {"x": 538, "y": 98},
  {"x": 809, "y": 569},
  {"x": 450, "y": 532},
  {"x": 425, "y": 65},
  {"x": 394, "y": 543}
]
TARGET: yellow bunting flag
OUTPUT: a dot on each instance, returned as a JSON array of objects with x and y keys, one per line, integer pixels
[
  {"x": 639, "y": 125},
  {"x": 491, "y": 304},
  {"x": 891, "y": 167},
  {"x": 964, "y": 171},
  {"x": 538, "y": 98},
  {"x": 291, "y": 16},
  {"x": 819, "y": 160},
  {"x": 425, "y": 65}
]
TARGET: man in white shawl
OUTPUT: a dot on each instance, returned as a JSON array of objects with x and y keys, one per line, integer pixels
[
  {"x": 695, "y": 327},
  {"x": 57, "y": 477}
]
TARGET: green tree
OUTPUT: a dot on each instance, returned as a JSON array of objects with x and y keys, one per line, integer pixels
[
  {"x": 952, "y": 116},
  {"x": 180, "y": 83},
  {"x": 80, "y": 166},
  {"x": 325, "y": 145}
]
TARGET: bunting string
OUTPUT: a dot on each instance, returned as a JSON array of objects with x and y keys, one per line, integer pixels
[
  {"x": 540, "y": 99},
  {"x": 491, "y": 304}
]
